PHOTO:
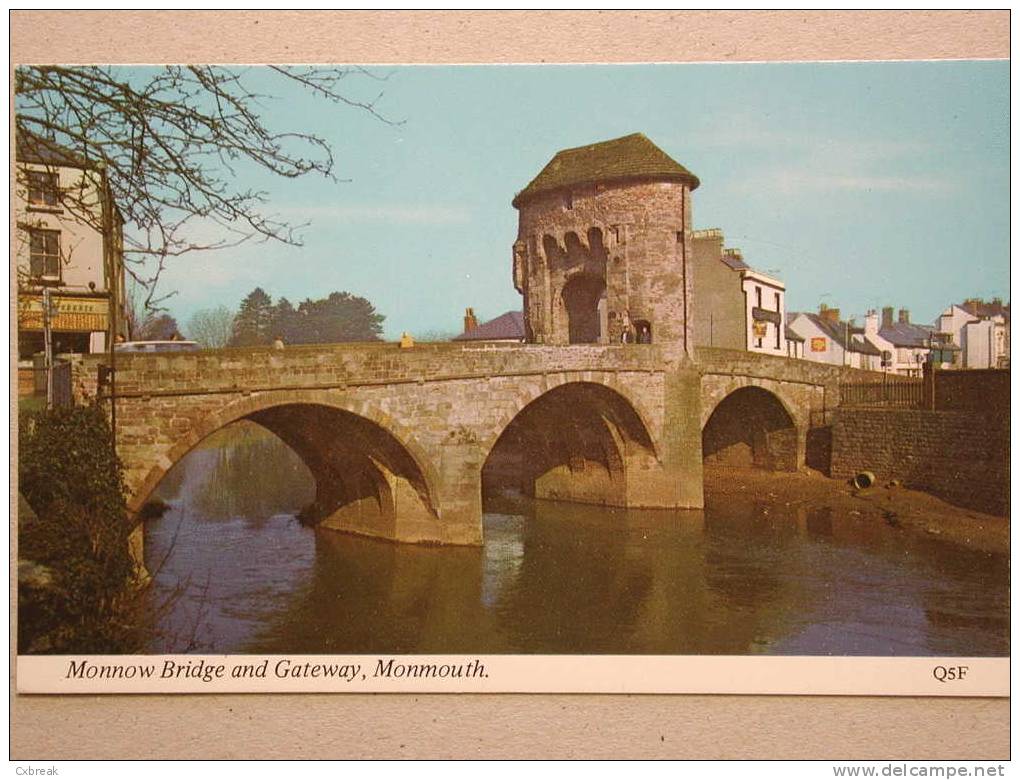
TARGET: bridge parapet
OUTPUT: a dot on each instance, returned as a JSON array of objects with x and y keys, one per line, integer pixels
[
  {"x": 354, "y": 365},
  {"x": 714, "y": 360}
]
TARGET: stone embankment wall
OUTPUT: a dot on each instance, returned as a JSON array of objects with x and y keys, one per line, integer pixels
[
  {"x": 962, "y": 457},
  {"x": 980, "y": 390}
]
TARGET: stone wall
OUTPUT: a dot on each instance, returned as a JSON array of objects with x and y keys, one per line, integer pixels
[
  {"x": 632, "y": 235},
  {"x": 973, "y": 390},
  {"x": 962, "y": 457},
  {"x": 381, "y": 426}
]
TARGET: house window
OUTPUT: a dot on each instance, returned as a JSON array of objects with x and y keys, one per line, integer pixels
[
  {"x": 778, "y": 306},
  {"x": 42, "y": 189},
  {"x": 757, "y": 295},
  {"x": 44, "y": 253}
]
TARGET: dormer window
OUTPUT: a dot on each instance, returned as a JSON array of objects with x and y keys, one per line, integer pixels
[
  {"x": 44, "y": 254},
  {"x": 43, "y": 189}
]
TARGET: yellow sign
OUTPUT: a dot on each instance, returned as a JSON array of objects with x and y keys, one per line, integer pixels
[
  {"x": 761, "y": 329},
  {"x": 69, "y": 313},
  {"x": 818, "y": 344}
]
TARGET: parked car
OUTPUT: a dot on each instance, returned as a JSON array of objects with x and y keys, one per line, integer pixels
[{"x": 156, "y": 346}]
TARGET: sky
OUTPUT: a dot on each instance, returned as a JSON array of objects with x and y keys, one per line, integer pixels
[{"x": 860, "y": 185}]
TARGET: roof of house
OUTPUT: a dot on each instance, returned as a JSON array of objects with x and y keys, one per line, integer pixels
[
  {"x": 33, "y": 148},
  {"x": 504, "y": 328},
  {"x": 792, "y": 335},
  {"x": 983, "y": 309},
  {"x": 838, "y": 332},
  {"x": 905, "y": 334},
  {"x": 736, "y": 262},
  {"x": 632, "y": 156}
]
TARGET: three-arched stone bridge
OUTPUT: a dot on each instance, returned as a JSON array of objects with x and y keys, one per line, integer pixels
[{"x": 401, "y": 440}]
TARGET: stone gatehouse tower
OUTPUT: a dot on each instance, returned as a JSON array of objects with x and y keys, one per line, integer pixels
[{"x": 604, "y": 245}]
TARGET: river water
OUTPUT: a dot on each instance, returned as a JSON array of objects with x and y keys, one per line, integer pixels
[{"x": 236, "y": 573}]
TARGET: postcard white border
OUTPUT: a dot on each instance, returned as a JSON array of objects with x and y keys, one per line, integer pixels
[
  {"x": 711, "y": 725},
  {"x": 629, "y": 674}
]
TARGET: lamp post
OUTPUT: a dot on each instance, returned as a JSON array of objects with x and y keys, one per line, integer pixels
[
  {"x": 47, "y": 318},
  {"x": 112, "y": 290}
]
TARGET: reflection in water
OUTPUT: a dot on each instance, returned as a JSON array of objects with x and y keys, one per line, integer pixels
[{"x": 737, "y": 578}]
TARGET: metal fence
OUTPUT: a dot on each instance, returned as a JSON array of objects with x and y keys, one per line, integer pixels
[{"x": 902, "y": 392}]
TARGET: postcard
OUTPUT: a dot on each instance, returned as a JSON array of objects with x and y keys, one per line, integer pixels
[{"x": 663, "y": 378}]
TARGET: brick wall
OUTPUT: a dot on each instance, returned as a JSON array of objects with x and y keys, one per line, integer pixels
[{"x": 962, "y": 457}]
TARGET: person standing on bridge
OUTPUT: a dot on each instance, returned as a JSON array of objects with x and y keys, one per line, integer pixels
[{"x": 626, "y": 337}]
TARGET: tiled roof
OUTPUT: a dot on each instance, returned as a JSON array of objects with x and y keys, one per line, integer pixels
[
  {"x": 735, "y": 262},
  {"x": 32, "y": 148},
  {"x": 985, "y": 309},
  {"x": 505, "y": 327},
  {"x": 905, "y": 334},
  {"x": 632, "y": 156},
  {"x": 792, "y": 335},
  {"x": 837, "y": 331},
  {"x": 864, "y": 347}
]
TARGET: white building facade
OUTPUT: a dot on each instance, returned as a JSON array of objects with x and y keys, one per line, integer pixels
[
  {"x": 765, "y": 312},
  {"x": 69, "y": 254},
  {"x": 828, "y": 339},
  {"x": 981, "y": 332}
]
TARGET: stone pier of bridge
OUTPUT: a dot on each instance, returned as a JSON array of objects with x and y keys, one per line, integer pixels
[
  {"x": 402, "y": 442},
  {"x": 398, "y": 440}
]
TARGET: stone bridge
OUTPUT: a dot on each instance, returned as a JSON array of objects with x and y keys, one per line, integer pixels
[{"x": 401, "y": 441}]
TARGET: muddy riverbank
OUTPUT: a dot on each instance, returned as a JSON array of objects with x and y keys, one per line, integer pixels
[{"x": 895, "y": 506}]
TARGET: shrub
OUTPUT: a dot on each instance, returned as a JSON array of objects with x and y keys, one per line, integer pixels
[{"x": 71, "y": 477}]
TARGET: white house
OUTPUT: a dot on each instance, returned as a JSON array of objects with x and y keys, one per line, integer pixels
[
  {"x": 905, "y": 346},
  {"x": 980, "y": 330},
  {"x": 64, "y": 251},
  {"x": 765, "y": 305},
  {"x": 828, "y": 339}
]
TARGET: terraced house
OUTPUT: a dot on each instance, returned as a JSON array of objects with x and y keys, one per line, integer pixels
[{"x": 69, "y": 242}]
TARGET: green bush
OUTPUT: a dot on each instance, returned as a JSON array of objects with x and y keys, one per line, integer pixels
[{"x": 88, "y": 600}]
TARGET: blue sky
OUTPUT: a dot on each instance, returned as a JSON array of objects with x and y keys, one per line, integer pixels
[{"x": 859, "y": 184}]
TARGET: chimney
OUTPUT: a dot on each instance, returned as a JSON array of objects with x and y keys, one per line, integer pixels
[
  {"x": 904, "y": 316},
  {"x": 470, "y": 320},
  {"x": 887, "y": 316},
  {"x": 871, "y": 322},
  {"x": 830, "y": 315}
]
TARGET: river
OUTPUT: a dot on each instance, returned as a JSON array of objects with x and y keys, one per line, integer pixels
[{"x": 235, "y": 572}]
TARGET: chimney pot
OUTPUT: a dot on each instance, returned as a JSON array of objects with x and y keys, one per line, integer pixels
[
  {"x": 904, "y": 316},
  {"x": 887, "y": 312},
  {"x": 470, "y": 320},
  {"x": 827, "y": 314}
]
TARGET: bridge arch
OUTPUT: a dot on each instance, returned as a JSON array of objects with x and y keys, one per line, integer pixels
[
  {"x": 365, "y": 462},
  {"x": 751, "y": 425},
  {"x": 574, "y": 441}
]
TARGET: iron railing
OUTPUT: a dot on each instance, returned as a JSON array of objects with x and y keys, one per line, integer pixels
[{"x": 901, "y": 392}]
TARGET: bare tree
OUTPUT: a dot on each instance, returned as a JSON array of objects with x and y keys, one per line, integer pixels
[
  {"x": 169, "y": 142},
  {"x": 211, "y": 328}
]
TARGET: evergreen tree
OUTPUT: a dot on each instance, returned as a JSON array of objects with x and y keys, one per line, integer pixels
[
  {"x": 340, "y": 317},
  {"x": 254, "y": 321},
  {"x": 286, "y": 322}
]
